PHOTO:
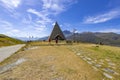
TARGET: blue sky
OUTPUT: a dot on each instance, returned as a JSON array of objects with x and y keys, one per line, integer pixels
[{"x": 24, "y": 18}]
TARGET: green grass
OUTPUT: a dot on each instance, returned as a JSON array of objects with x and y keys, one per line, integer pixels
[
  {"x": 100, "y": 53},
  {"x": 106, "y": 52},
  {"x": 7, "y": 41}
]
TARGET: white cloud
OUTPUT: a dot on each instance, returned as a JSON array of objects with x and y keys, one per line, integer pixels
[
  {"x": 111, "y": 30},
  {"x": 102, "y": 17},
  {"x": 27, "y": 20},
  {"x": 49, "y": 8},
  {"x": 10, "y": 4},
  {"x": 7, "y": 28},
  {"x": 33, "y": 29},
  {"x": 43, "y": 16},
  {"x": 42, "y": 20},
  {"x": 33, "y": 11},
  {"x": 10, "y": 7},
  {"x": 40, "y": 28},
  {"x": 57, "y": 6},
  {"x": 5, "y": 25},
  {"x": 35, "y": 20},
  {"x": 54, "y": 5}
]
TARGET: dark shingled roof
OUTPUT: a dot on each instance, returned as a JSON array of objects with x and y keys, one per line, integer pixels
[{"x": 57, "y": 32}]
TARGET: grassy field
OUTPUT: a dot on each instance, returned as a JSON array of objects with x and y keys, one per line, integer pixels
[
  {"x": 104, "y": 58},
  {"x": 7, "y": 41},
  {"x": 50, "y": 61}
]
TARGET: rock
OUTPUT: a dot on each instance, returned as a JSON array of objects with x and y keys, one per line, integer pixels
[
  {"x": 84, "y": 59},
  {"x": 98, "y": 65},
  {"x": 101, "y": 62},
  {"x": 111, "y": 64},
  {"x": 93, "y": 62},
  {"x": 109, "y": 70},
  {"x": 107, "y": 75},
  {"x": 78, "y": 54},
  {"x": 94, "y": 68},
  {"x": 89, "y": 62},
  {"x": 108, "y": 60},
  {"x": 88, "y": 58}
]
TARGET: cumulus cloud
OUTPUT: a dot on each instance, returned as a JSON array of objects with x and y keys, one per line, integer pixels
[{"x": 102, "y": 17}]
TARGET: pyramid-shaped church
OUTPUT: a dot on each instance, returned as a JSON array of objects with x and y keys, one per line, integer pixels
[{"x": 57, "y": 33}]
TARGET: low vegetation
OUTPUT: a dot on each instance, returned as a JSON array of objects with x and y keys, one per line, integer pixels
[
  {"x": 78, "y": 61},
  {"x": 105, "y": 58},
  {"x": 7, "y": 41}
]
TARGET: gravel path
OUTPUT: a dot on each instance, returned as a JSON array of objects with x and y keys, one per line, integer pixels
[{"x": 5, "y": 52}]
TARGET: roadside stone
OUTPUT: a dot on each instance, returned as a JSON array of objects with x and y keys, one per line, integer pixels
[
  {"x": 109, "y": 70},
  {"x": 98, "y": 65},
  {"x": 84, "y": 59},
  {"x": 89, "y": 62},
  {"x": 93, "y": 62},
  {"x": 108, "y": 60},
  {"x": 107, "y": 75},
  {"x": 95, "y": 68},
  {"x": 78, "y": 54},
  {"x": 111, "y": 64},
  {"x": 88, "y": 58},
  {"x": 101, "y": 62}
]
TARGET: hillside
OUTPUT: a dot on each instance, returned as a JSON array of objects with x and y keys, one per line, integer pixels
[
  {"x": 6, "y": 41},
  {"x": 104, "y": 38},
  {"x": 109, "y": 38}
]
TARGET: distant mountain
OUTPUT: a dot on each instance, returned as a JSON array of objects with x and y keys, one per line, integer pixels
[
  {"x": 109, "y": 38},
  {"x": 104, "y": 38},
  {"x": 67, "y": 33},
  {"x": 6, "y": 40},
  {"x": 27, "y": 38},
  {"x": 43, "y": 38},
  {"x": 89, "y": 37}
]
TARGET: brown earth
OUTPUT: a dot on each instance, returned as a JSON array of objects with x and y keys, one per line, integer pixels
[{"x": 50, "y": 63}]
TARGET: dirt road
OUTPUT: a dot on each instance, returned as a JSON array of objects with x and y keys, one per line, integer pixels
[{"x": 5, "y": 52}]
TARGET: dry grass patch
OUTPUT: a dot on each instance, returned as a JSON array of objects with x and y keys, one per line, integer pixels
[
  {"x": 105, "y": 58},
  {"x": 51, "y": 63}
]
